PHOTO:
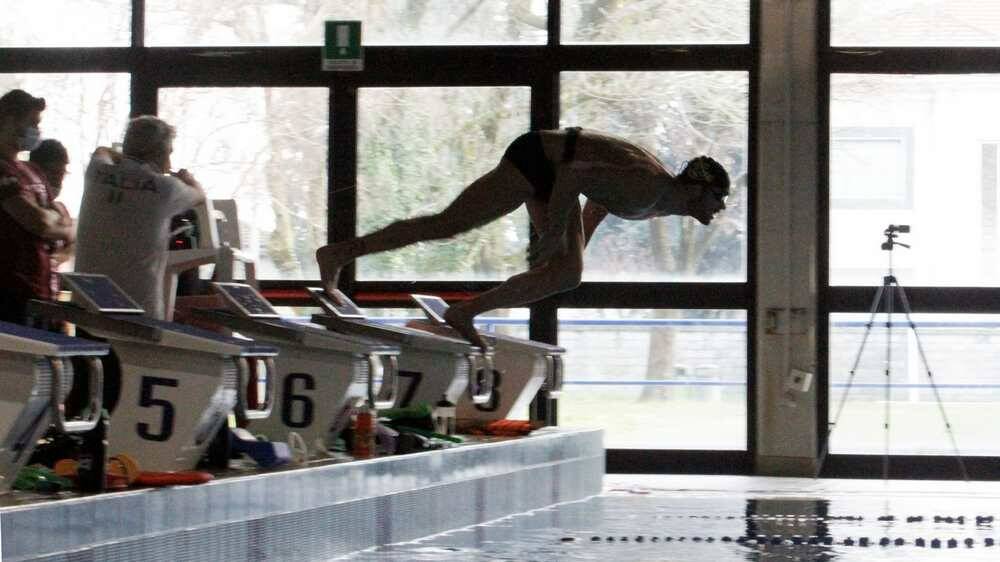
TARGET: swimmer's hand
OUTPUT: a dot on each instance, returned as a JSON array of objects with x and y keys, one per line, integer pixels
[{"x": 186, "y": 177}]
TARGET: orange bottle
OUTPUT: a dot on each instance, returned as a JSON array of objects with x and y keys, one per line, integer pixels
[{"x": 363, "y": 445}]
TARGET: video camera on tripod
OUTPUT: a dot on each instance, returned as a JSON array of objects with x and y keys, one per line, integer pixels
[
  {"x": 891, "y": 233},
  {"x": 885, "y": 298}
]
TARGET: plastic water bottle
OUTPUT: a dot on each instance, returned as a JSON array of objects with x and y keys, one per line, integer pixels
[{"x": 363, "y": 445}]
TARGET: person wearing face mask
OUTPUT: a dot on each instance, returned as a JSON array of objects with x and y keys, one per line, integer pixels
[
  {"x": 128, "y": 201},
  {"x": 29, "y": 226}
]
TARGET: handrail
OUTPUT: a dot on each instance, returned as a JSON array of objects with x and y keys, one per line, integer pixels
[
  {"x": 480, "y": 392},
  {"x": 95, "y": 392},
  {"x": 702, "y": 322},
  {"x": 245, "y": 377},
  {"x": 389, "y": 387},
  {"x": 667, "y": 382}
]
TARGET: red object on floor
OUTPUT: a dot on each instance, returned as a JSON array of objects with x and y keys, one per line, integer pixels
[
  {"x": 504, "y": 428},
  {"x": 179, "y": 478}
]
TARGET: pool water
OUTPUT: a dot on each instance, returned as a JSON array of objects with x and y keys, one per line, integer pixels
[{"x": 721, "y": 519}]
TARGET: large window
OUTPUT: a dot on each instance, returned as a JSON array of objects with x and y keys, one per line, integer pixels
[
  {"x": 82, "y": 111},
  {"x": 909, "y": 150},
  {"x": 959, "y": 355},
  {"x": 417, "y": 149},
  {"x": 872, "y": 168},
  {"x": 59, "y": 23},
  {"x": 266, "y": 148},
  {"x": 677, "y": 116},
  {"x": 656, "y": 21},
  {"x": 656, "y": 379},
  {"x": 912, "y": 23},
  {"x": 292, "y": 22},
  {"x": 912, "y": 136}
]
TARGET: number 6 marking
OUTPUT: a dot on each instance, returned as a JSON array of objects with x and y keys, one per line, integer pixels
[{"x": 288, "y": 400}]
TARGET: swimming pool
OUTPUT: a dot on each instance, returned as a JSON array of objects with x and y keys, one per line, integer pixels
[{"x": 641, "y": 518}]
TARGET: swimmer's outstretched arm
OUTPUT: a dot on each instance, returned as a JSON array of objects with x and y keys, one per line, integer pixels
[
  {"x": 565, "y": 197},
  {"x": 593, "y": 214}
]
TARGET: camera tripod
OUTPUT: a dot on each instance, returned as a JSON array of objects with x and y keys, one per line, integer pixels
[{"x": 885, "y": 298}]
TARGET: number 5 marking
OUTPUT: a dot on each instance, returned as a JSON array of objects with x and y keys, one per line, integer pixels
[{"x": 146, "y": 400}]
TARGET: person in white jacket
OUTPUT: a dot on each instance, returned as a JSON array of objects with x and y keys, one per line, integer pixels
[{"x": 128, "y": 201}]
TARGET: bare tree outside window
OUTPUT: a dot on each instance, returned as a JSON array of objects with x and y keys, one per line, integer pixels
[
  {"x": 417, "y": 149},
  {"x": 83, "y": 111},
  {"x": 266, "y": 148},
  {"x": 396, "y": 22},
  {"x": 656, "y": 21},
  {"x": 915, "y": 23},
  {"x": 677, "y": 116},
  {"x": 61, "y": 23}
]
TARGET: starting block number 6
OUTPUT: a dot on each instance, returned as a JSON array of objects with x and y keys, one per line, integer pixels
[{"x": 289, "y": 399}]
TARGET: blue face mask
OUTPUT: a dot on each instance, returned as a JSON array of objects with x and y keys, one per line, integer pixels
[{"x": 30, "y": 139}]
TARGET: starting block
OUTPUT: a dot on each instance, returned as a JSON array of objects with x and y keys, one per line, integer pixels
[
  {"x": 321, "y": 375},
  {"x": 216, "y": 238},
  {"x": 178, "y": 383},
  {"x": 36, "y": 372},
  {"x": 179, "y": 261},
  {"x": 523, "y": 368},
  {"x": 430, "y": 365}
]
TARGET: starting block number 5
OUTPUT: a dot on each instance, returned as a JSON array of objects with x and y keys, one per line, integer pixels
[{"x": 147, "y": 400}]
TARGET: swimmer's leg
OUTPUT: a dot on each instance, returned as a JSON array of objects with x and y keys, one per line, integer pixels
[
  {"x": 495, "y": 194},
  {"x": 559, "y": 274}
]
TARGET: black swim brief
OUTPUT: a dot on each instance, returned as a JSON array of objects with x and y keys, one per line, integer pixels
[{"x": 528, "y": 156}]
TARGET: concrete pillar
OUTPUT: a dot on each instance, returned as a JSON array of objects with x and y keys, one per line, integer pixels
[{"x": 786, "y": 236}]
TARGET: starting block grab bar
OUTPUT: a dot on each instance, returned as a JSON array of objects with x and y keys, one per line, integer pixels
[
  {"x": 481, "y": 379},
  {"x": 553, "y": 385},
  {"x": 94, "y": 399},
  {"x": 389, "y": 390},
  {"x": 245, "y": 378}
]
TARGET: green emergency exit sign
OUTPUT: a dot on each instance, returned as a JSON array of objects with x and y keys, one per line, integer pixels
[{"x": 342, "y": 47}]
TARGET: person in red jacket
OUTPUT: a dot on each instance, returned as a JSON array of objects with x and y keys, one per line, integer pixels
[{"x": 28, "y": 223}]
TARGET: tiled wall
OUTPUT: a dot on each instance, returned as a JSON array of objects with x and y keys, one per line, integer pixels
[{"x": 315, "y": 513}]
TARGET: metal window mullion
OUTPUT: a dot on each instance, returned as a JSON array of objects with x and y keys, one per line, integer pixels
[
  {"x": 543, "y": 321},
  {"x": 342, "y": 168},
  {"x": 138, "y": 24}
]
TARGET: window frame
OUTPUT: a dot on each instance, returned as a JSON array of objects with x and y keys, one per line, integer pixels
[{"x": 843, "y": 59}]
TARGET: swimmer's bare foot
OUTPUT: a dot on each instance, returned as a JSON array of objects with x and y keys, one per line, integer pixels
[
  {"x": 331, "y": 259},
  {"x": 462, "y": 322}
]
